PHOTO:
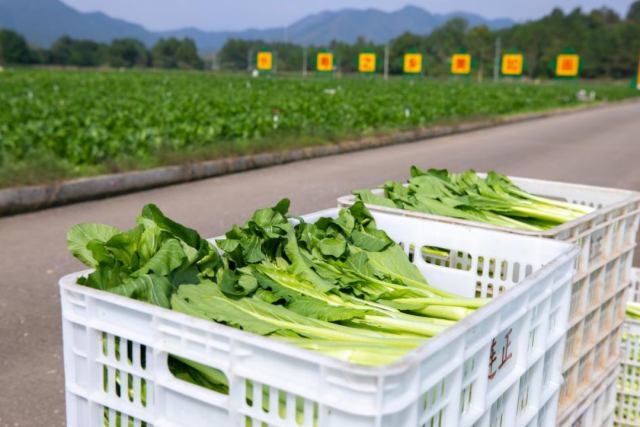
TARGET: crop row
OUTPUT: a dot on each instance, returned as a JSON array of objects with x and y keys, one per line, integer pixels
[{"x": 87, "y": 118}]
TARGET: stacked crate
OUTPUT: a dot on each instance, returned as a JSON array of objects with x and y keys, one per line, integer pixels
[
  {"x": 627, "y": 412},
  {"x": 607, "y": 239}
]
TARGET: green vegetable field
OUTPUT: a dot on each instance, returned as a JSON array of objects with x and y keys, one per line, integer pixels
[{"x": 65, "y": 124}]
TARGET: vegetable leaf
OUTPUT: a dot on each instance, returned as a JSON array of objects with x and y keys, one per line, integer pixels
[{"x": 79, "y": 237}]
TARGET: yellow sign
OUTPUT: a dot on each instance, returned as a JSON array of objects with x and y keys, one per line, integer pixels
[
  {"x": 367, "y": 63},
  {"x": 265, "y": 61},
  {"x": 512, "y": 64},
  {"x": 638, "y": 81},
  {"x": 413, "y": 63},
  {"x": 461, "y": 63},
  {"x": 567, "y": 65},
  {"x": 325, "y": 61}
]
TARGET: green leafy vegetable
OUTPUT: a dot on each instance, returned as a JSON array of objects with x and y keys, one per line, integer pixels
[
  {"x": 633, "y": 310},
  {"x": 146, "y": 263},
  {"x": 493, "y": 200},
  {"x": 339, "y": 286}
]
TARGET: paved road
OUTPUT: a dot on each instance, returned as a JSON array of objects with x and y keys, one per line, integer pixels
[{"x": 600, "y": 147}]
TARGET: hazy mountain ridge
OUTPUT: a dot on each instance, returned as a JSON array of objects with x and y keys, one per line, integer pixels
[{"x": 42, "y": 22}]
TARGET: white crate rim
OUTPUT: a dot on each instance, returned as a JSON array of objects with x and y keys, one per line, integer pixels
[{"x": 631, "y": 196}]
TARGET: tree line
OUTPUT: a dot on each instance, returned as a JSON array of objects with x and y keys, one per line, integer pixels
[
  {"x": 130, "y": 53},
  {"x": 608, "y": 44}
]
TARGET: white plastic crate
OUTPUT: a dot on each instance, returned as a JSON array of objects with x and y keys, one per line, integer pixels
[
  {"x": 628, "y": 404},
  {"x": 499, "y": 366},
  {"x": 607, "y": 239},
  {"x": 597, "y": 409}
]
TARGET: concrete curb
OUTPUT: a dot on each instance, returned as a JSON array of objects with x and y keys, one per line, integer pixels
[{"x": 25, "y": 199}]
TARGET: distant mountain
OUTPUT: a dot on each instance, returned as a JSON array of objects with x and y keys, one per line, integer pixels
[
  {"x": 376, "y": 25},
  {"x": 42, "y": 22}
]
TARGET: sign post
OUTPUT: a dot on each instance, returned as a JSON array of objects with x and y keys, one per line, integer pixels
[
  {"x": 461, "y": 64},
  {"x": 513, "y": 64},
  {"x": 567, "y": 65},
  {"x": 265, "y": 62},
  {"x": 304, "y": 62},
  {"x": 412, "y": 64},
  {"x": 367, "y": 63},
  {"x": 496, "y": 62},
  {"x": 386, "y": 61},
  {"x": 324, "y": 63}
]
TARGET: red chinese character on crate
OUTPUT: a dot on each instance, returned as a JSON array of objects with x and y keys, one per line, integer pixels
[
  {"x": 492, "y": 359},
  {"x": 578, "y": 422},
  {"x": 505, "y": 356}
]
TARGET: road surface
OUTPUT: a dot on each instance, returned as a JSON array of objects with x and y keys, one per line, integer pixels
[{"x": 599, "y": 147}]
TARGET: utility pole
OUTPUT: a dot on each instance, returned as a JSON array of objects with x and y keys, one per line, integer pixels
[
  {"x": 250, "y": 61},
  {"x": 304, "y": 62},
  {"x": 274, "y": 66},
  {"x": 496, "y": 65},
  {"x": 386, "y": 61}
]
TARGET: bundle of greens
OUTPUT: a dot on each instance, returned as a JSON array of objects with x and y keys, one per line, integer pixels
[
  {"x": 493, "y": 200},
  {"x": 339, "y": 286},
  {"x": 633, "y": 310},
  {"x": 146, "y": 263}
]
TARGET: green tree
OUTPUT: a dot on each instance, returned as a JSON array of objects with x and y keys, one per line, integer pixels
[
  {"x": 14, "y": 49},
  {"x": 61, "y": 50},
  {"x": 187, "y": 55},
  {"x": 634, "y": 12},
  {"x": 480, "y": 42},
  {"x": 164, "y": 53},
  {"x": 82, "y": 53},
  {"x": 128, "y": 53},
  {"x": 234, "y": 54},
  {"x": 173, "y": 53}
]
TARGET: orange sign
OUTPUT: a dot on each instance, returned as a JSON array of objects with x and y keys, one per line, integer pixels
[
  {"x": 325, "y": 61},
  {"x": 265, "y": 61},
  {"x": 512, "y": 64},
  {"x": 567, "y": 65},
  {"x": 367, "y": 63},
  {"x": 413, "y": 63},
  {"x": 461, "y": 63}
]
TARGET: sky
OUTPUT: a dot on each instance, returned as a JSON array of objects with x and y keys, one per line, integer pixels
[{"x": 222, "y": 15}]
